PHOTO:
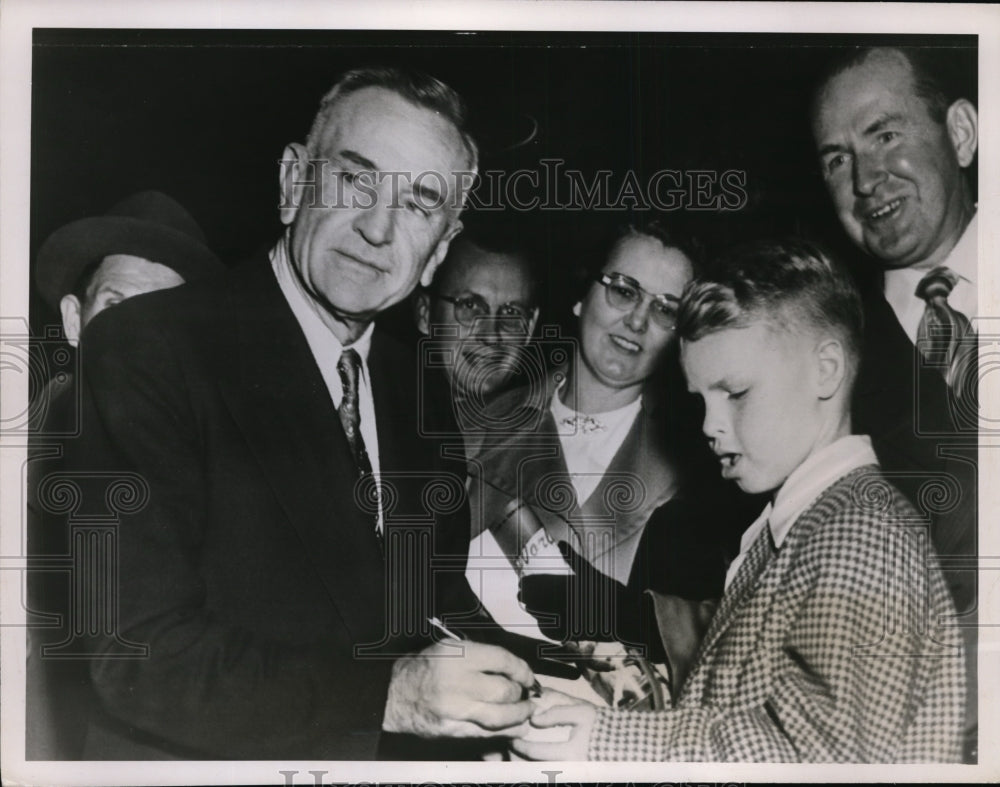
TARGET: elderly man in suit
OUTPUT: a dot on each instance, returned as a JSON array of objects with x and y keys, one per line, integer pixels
[
  {"x": 896, "y": 138},
  {"x": 300, "y": 530}
]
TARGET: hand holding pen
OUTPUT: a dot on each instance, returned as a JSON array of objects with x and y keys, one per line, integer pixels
[
  {"x": 480, "y": 693},
  {"x": 535, "y": 690}
]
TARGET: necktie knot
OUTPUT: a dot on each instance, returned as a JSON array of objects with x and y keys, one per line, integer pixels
[{"x": 937, "y": 284}]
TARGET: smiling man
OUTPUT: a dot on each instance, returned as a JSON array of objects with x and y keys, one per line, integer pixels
[
  {"x": 896, "y": 137},
  {"x": 893, "y": 148},
  {"x": 285, "y": 611},
  {"x": 481, "y": 311}
]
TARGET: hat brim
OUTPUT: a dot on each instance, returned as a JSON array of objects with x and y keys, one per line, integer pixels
[{"x": 70, "y": 249}]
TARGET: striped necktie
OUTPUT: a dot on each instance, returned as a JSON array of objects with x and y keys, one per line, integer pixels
[
  {"x": 945, "y": 336},
  {"x": 349, "y": 367}
]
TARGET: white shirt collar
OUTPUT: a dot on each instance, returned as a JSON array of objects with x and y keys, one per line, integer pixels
[
  {"x": 807, "y": 482},
  {"x": 610, "y": 419},
  {"x": 326, "y": 350},
  {"x": 964, "y": 259},
  {"x": 811, "y": 478},
  {"x": 901, "y": 283},
  {"x": 322, "y": 341}
]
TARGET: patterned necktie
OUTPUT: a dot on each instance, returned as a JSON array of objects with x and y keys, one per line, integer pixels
[
  {"x": 943, "y": 335},
  {"x": 349, "y": 367}
]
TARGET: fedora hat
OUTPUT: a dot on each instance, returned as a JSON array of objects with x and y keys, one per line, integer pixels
[{"x": 148, "y": 224}]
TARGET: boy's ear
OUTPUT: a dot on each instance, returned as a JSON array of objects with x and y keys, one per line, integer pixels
[{"x": 831, "y": 367}]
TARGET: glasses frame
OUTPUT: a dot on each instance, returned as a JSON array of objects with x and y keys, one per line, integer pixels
[
  {"x": 607, "y": 280},
  {"x": 456, "y": 301}
]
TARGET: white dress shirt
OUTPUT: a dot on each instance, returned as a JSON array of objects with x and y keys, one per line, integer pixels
[
  {"x": 806, "y": 483},
  {"x": 589, "y": 451},
  {"x": 901, "y": 283},
  {"x": 326, "y": 349}
]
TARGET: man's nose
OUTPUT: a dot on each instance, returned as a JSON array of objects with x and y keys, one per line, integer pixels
[
  {"x": 868, "y": 173},
  {"x": 638, "y": 318},
  {"x": 487, "y": 331},
  {"x": 376, "y": 222}
]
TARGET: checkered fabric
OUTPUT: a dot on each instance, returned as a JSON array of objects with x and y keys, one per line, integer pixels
[{"x": 839, "y": 651}]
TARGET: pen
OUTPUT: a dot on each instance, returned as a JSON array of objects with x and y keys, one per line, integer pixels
[
  {"x": 536, "y": 687},
  {"x": 436, "y": 622}
]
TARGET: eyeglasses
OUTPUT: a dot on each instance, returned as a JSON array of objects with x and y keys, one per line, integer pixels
[
  {"x": 509, "y": 319},
  {"x": 625, "y": 293}
]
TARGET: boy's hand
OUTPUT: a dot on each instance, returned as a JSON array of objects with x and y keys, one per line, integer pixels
[{"x": 570, "y": 721}]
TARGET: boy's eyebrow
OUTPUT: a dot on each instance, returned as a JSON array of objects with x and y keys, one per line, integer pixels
[
  {"x": 724, "y": 384},
  {"x": 718, "y": 385}
]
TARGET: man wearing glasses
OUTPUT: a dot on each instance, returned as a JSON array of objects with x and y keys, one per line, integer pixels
[{"x": 480, "y": 313}]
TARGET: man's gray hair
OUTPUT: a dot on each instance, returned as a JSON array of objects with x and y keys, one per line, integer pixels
[{"x": 416, "y": 87}]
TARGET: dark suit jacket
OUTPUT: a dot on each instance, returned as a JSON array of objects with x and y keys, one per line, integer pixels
[
  {"x": 58, "y": 693},
  {"x": 919, "y": 439},
  {"x": 927, "y": 450},
  {"x": 253, "y": 573}
]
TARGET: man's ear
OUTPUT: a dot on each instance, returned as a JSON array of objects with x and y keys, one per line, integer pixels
[
  {"x": 439, "y": 253},
  {"x": 71, "y": 310},
  {"x": 577, "y": 308},
  {"x": 296, "y": 174},
  {"x": 962, "y": 121},
  {"x": 422, "y": 311},
  {"x": 831, "y": 367}
]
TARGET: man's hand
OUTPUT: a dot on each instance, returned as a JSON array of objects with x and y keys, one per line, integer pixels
[{"x": 459, "y": 690}]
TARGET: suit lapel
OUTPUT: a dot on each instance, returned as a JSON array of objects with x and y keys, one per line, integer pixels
[
  {"x": 280, "y": 402},
  {"x": 745, "y": 585}
]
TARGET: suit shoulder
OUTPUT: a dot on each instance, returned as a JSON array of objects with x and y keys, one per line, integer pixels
[
  {"x": 852, "y": 522},
  {"x": 201, "y": 308}
]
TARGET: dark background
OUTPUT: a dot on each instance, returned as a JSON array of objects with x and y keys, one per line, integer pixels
[{"x": 204, "y": 116}]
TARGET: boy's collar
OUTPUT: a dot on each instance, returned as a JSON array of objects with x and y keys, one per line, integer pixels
[{"x": 811, "y": 478}]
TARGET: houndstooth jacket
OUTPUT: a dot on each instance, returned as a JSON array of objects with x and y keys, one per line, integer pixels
[{"x": 838, "y": 650}]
